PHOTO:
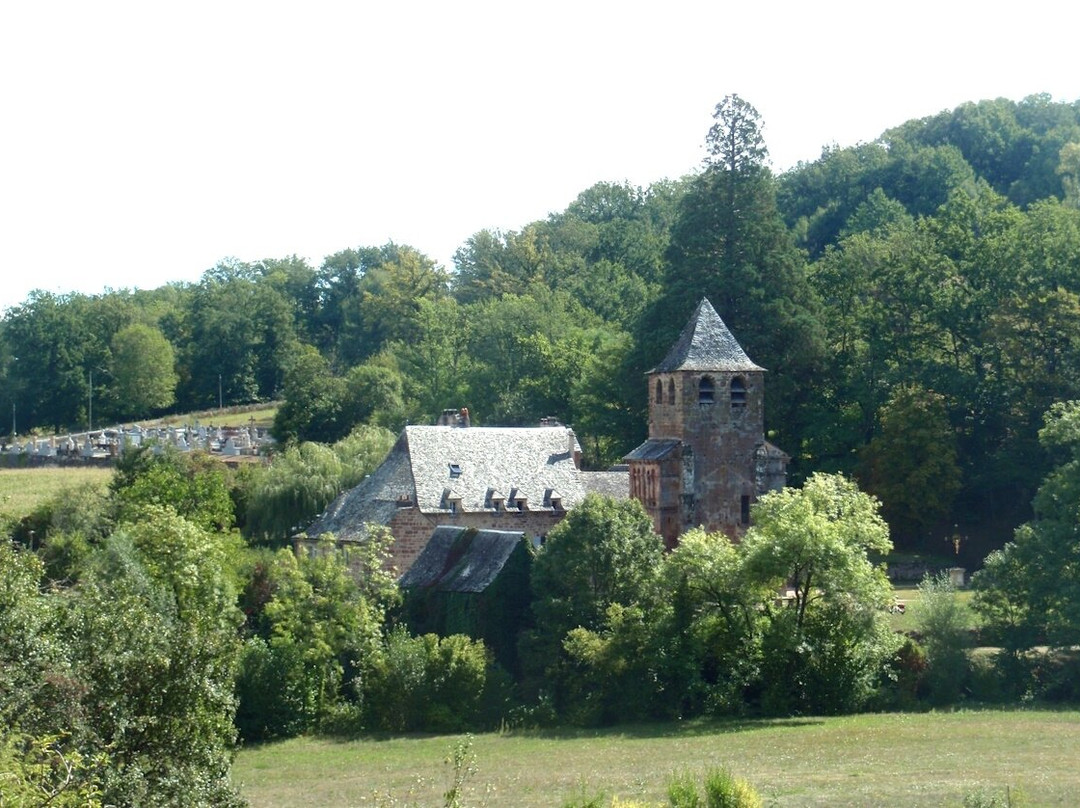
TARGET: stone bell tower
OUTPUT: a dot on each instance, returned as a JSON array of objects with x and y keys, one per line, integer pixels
[{"x": 706, "y": 459}]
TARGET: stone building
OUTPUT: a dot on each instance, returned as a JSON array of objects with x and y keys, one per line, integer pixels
[
  {"x": 705, "y": 462},
  {"x": 706, "y": 459},
  {"x": 520, "y": 479}
]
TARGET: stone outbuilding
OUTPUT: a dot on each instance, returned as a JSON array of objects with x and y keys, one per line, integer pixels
[
  {"x": 706, "y": 459},
  {"x": 472, "y": 582}
]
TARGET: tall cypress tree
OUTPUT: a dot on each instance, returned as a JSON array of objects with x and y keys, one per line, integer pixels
[{"x": 730, "y": 244}]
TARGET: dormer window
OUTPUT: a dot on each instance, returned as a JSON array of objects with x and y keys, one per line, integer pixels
[
  {"x": 553, "y": 499},
  {"x": 518, "y": 501},
  {"x": 451, "y": 500},
  {"x": 706, "y": 390},
  {"x": 738, "y": 393},
  {"x": 455, "y": 471},
  {"x": 495, "y": 500}
]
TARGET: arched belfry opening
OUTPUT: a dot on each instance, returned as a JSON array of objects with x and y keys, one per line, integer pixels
[
  {"x": 706, "y": 390},
  {"x": 738, "y": 393}
]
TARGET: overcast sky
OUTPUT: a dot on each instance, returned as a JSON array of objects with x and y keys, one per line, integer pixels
[{"x": 142, "y": 142}]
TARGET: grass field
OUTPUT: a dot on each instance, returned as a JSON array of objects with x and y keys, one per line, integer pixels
[
  {"x": 262, "y": 415},
  {"x": 23, "y": 489},
  {"x": 929, "y": 759}
]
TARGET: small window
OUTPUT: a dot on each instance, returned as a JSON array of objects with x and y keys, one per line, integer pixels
[
  {"x": 738, "y": 393},
  {"x": 671, "y": 391},
  {"x": 744, "y": 509},
  {"x": 455, "y": 470},
  {"x": 659, "y": 392},
  {"x": 706, "y": 390}
]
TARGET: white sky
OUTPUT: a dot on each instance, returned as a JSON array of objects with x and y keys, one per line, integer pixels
[{"x": 142, "y": 142}]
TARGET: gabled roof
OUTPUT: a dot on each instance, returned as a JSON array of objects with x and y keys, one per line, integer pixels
[
  {"x": 432, "y": 467},
  {"x": 458, "y": 559},
  {"x": 706, "y": 344}
]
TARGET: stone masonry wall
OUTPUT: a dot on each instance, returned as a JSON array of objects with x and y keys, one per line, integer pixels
[{"x": 412, "y": 529}]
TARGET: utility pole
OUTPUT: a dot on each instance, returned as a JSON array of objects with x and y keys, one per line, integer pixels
[{"x": 90, "y": 408}]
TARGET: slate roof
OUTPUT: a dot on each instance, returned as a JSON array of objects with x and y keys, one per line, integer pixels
[
  {"x": 518, "y": 462},
  {"x": 654, "y": 449},
  {"x": 433, "y": 467},
  {"x": 614, "y": 483},
  {"x": 374, "y": 500},
  {"x": 452, "y": 561},
  {"x": 706, "y": 344}
]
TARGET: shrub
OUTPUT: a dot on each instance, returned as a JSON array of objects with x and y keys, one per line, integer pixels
[
  {"x": 427, "y": 682},
  {"x": 682, "y": 791},
  {"x": 985, "y": 798},
  {"x": 945, "y": 625},
  {"x": 724, "y": 790}
]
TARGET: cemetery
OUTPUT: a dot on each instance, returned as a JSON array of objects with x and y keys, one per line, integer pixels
[{"x": 230, "y": 443}]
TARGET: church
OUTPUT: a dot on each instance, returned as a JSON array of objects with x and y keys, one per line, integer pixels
[{"x": 705, "y": 461}]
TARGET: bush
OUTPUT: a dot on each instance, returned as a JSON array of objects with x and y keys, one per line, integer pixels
[
  {"x": 724, "y": 790},
  {"x": 426, "y": 683},
  {"x": 682, "y": 791},
  {"x": 945, "y": 625}
]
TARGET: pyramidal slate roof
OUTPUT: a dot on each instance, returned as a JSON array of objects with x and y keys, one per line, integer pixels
[{"x": 706, "y": 344}]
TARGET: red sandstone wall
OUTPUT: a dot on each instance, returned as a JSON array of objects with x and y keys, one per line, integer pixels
[{"x": 412, "y": 529}]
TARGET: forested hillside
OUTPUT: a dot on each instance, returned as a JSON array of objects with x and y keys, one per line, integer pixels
[{"x": 915, "y": 301}]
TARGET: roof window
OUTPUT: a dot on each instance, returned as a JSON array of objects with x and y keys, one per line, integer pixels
[{"x": 455, "y": 470}]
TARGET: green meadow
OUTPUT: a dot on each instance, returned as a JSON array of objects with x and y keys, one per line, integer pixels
[
  {"x": 896, "y": 759},
  {"x": 23, "y": 489}
]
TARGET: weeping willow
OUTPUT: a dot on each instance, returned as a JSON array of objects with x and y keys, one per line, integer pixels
[{"x": 289, "y": 493}]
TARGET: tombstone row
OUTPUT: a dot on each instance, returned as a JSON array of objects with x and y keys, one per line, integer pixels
[{"x": 228, "y": 441}]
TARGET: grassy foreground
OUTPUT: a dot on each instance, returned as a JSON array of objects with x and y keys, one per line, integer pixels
[{"x": 930, "y": 759}]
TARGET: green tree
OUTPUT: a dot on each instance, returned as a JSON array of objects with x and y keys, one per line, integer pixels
[
  {"x": 241, "y": 331},
  {"x": 193, "y": 485},
  {"x": 731, "y": 245},
  {"x": 604, "y": 553},
  {"x": 48, "y": 337},
  {"x": 313, "y": 400},
  {"x": 911, "y": 463},
  {"x": 824, "y": 649},
  {"x": 427, "y": 683},
  {"x": 302, "y": 480},
  {"x": 320, "y": 635},
  {"x": 1028, "y": 593},
  {"x": 724, "y": 606},
  {"x": 388, "y": 301},
  {"x": 945, "y": 625},
  {"x": 153, "y": 631},
  {"x": 143, "y": 374}
]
